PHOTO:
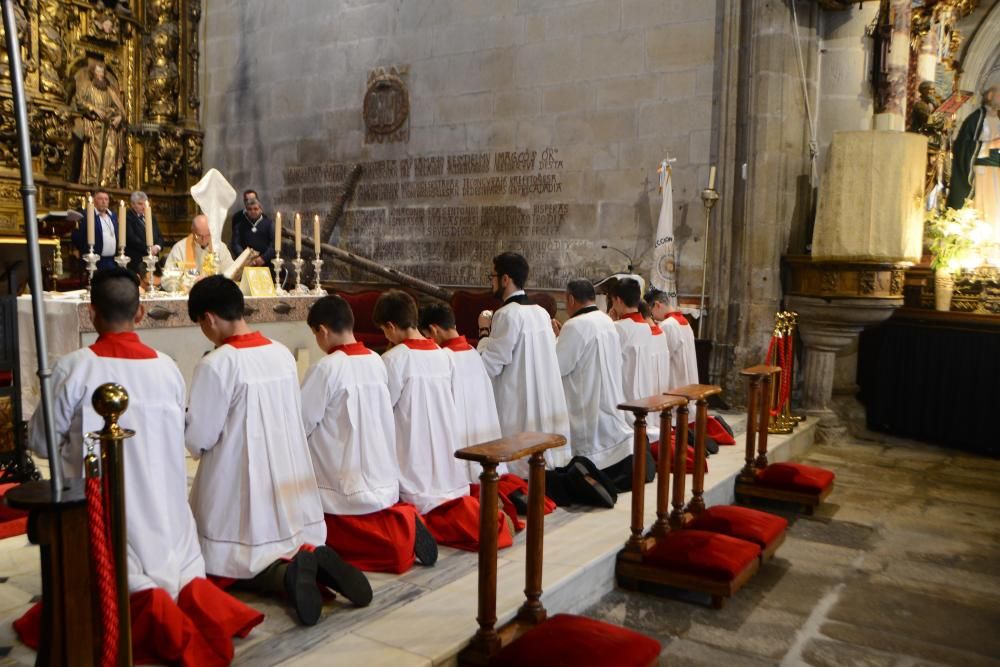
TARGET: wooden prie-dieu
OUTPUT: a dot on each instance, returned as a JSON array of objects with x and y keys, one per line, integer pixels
[{"x": 532, "y": 639}]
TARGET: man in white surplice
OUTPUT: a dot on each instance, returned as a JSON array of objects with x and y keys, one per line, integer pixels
[
  {"x": 519, "y": 352},
  {"x": 163, "y": 551},
  {"x": 590, "y": 360},
  {"x": 254, "y": 497},
  {"x": 645, "y": 355}
]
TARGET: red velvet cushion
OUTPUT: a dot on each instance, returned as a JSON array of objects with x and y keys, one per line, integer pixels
[
  {"x": 703, "y": 554},
  {"x": 362, "y": 305},
  {"x": 796, "y": 477},
  {"x": 467, "y": 306},
  {"x": 755, "y": 526},
  {"x": 574, "y": 641}
]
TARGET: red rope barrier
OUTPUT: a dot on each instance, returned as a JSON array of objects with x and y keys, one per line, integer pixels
[
  {"x": 788, "y": 372},
  {"x": 100, "y": 546}
]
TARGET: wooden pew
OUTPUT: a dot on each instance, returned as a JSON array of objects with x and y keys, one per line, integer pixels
[
  {"x": 789, "y": 482},
  {"x": 532, "y": 639}
]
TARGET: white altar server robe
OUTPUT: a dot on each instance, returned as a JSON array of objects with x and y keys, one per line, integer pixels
[
  {"x": 420, "y": 389},
  {"x": 645, "y": 358},
  {"x": 683, "y": 356},
  {"x": 475, "y": 405},
  {"x": 254, "y": 496},
  {"x": 590, "y": 360},
  {"x": 163, "y": 549},
  {"x": 520, "y": 357},
  {"x": 348, "y": 422}
]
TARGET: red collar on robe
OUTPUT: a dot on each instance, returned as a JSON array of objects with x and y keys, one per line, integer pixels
[
  {"x": 637, "y": 317},
  {"x": 680, "y": 318},
  {"x": 458, "y": 344},
  {"x": 123, "y": 345},
  {"x": 350, "y": 349},
  {"x": 252, "y": 339},
  {"x": 420, "y": 344}
]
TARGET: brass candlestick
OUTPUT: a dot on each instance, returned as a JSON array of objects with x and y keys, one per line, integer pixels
[
  {"x": 778, "y": 423},
  {"x": 91, "y": 259},
  {"x": 709, "y": 197}
]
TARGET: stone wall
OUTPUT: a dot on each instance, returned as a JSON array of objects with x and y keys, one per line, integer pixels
[{"x": 534, "y": 124}]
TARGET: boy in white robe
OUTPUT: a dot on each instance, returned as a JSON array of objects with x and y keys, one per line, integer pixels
[
  {"x": 170, "y": 596},
  {"x": 475, "y": 404},
  {"x": 645, "y": 355},
  {"x": 421, "y": 378},
  {"x": 590, "y": 360},
  {"x": 348, "y": 420},
  {"x": 518, "y": 349},
  {"x": 254, "y": 496}
]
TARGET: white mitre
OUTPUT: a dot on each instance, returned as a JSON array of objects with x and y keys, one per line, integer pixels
[{"x": 214, "y": 195}]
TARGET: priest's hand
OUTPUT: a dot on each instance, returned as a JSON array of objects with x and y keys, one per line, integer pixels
[{"x": 556, "y": 326}]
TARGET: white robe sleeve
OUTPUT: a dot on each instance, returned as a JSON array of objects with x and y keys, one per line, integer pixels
[
  {"x": 67, "y": 397},
  {"x": 177, "y": 254},
  {"x": 497, "y": 349},
  {"x": 315, "y": 397},
  {"x": 208, "y": 408},
  {"x": 569, "y": 349},
  {"x": 395, "y": 381},
  {"x": 225, "y": 258}
]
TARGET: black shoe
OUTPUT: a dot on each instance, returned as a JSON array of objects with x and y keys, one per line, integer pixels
[
  {"x": 339, "y": 575},
  {"x": 711, "y": 446},
  {"x": 586, "y": 490},
  {"x": 520, "y": 501},
  {"x": 424, "y": 545},
  {"x": 300, "y": 586}
]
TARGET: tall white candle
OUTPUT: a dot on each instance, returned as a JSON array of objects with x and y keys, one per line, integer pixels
[
  {"x": 711, "y": 178},
  {"x": 90, "y": 220},
  {"x": 298, "y": 234},
  {"x": 149, "y": 224},
  {"x": 121, "y": 223},
  {"x": 316, "y": 234},
  {"x": 277, "y": 233}
]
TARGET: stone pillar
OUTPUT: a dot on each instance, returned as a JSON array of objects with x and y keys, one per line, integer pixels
[{"x": 892, "y": 116}]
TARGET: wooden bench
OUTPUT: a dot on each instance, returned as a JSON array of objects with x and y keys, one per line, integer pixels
[
  {"x": 789, "y": 482},
  {"x": 532, "y": 639}
]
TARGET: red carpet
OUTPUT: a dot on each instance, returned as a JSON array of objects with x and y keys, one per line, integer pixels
[{"x": 12, "y": 522}]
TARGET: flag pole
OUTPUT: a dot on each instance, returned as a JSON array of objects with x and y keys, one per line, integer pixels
[
  {"x": 709, "y": 197},
  {"x": 34, "y": 260}
]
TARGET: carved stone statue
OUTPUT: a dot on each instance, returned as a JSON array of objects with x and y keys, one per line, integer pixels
[{"x": 101, "y": 127}]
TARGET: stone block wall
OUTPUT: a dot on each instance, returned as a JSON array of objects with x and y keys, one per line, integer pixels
[{"x": 533, "y": 124}]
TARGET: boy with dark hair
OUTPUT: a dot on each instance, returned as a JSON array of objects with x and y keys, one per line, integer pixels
[
  {"x": 166, "y": 571},
  {"x": 475, "y": 405},
  {"x": 645, "y": 355},
  {"x": 421, "y": 380},
  {"x": 254, "y": 497},
  {"x": 352, "y": 439}
]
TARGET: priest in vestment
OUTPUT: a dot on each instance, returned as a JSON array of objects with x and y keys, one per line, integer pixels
[
  {"x": 421, "y": 377},
  {"x": 348, "y": 420},
  {"x": 590, "y": 361},
  {"x": 178, "y": 616},
  {"x": 259, "y": 513},
  {"x": 189, "y": 253},
  {"x": 975, "y": 172},
  {"x": 519, "y": 353}
]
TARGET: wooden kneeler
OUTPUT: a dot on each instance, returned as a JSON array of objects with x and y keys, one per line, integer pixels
[
  {"x": 671, "y": 554},
  {"x": 762, "y": 528},
  {"x": 789, "y": 482},
  {"x": 531, "y": 638}
]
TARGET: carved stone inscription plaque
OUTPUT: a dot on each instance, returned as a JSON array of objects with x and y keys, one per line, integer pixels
[{"x": 443, "y": 218}]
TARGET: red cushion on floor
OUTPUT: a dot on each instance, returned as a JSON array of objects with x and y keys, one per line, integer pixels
[
  {"x": 573, "y": 641},
  {"x": 703, "y": 554},
  {"x": 755, "y": 526},
  {"x": 796, "y": 477}
]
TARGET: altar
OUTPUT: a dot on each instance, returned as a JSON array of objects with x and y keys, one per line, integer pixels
[{"x": 166, "y": 327}]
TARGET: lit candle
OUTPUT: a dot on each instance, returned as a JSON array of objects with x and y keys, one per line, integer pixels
[
  {"x": 298, "y": 234},
  {"x": 90, "y": 220},
  {"x": 316, "y": 234},
  {"x": 711, "y": 178},
  {"x": 121, "y": 223},
  {"x": 149, "y": 224},
  {"x": 277, "y": 233}
]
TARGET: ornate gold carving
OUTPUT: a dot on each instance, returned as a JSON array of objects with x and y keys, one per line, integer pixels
[
  {"x": 161, "y": 63},
  {"x": 194, "y": 101},
  {"x": 828, "y": 281},
  {"x": 896, "y": 282},
  {"x": 386, "y": 106},
  {"x": 165, "y": 151},
  {"x": 866, "y": 282},
  {"x": 23, "y": 36},
  {"x": 194, "y": 146},
  {"x": 51, "y": 48},
  {"x": 101, "y": 126}
]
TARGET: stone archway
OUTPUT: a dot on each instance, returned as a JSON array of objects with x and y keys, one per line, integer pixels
[{"x": 982, "y": 58}]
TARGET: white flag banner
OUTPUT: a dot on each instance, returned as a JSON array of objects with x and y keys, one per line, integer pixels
[{"x": 664, "y": 274}]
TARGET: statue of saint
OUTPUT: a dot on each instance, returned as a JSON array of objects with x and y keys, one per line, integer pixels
[
  {"x": 101, "y": 128},
  {"x": 975, "y": 171}
]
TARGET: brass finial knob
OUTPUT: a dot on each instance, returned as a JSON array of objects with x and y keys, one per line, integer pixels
[{"x": 110, "y": 400}]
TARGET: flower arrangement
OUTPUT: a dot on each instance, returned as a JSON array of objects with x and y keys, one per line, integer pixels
[{"x": 955, "y": 237}]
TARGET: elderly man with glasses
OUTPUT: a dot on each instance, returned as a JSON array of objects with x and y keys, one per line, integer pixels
[{"x": 188, "y": 253}]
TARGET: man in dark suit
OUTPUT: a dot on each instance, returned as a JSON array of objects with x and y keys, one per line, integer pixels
[
  {"x": 135, "y": 232},
  {"x": 105, "y": 231},
  {"x": 253, "y": 229}
]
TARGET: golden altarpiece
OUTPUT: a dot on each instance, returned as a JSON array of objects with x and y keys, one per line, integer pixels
[{"x": 113, "y": 102}]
